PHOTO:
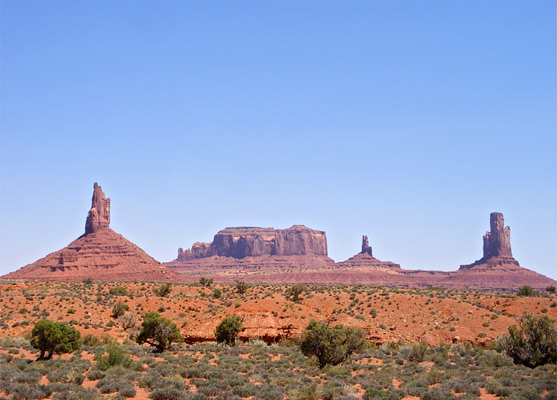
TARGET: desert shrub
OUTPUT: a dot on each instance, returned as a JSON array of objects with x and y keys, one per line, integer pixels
[
  {"x": 122, "y": 291},
  {"x": 417, "y": 352},
  {"x": 227, "y": 331},
  {"x": 526, "y": 291},
  {"x": 91, "y": 340},
  {"x": 95, "y": 375},
  {"x": 331, "y": 346},
  {"x": 550, "y": 289},
  {"x": 437, "y": 393},
  {"x": 115, "y": 356},
  {"x": 159, "y": 332},
  {"x": 119, "y": 309},
  {"x": 217, "y": 293},
  {"x": 533, "y": 343},
  {"x": 167, "y": 394},
  {"x": 268, "y": 391},
  {"x": 494, "y": 387},
  {"x": 113, "y": 384},
  {"x": 205, "y": 281},
  {"x": 129, "y": 321},
  {"x": 294, "y": 292},
  {"x": 163, "y": 290},
  {"x": 376, "y": 394},
  {"x": 241, "y": 286},
  {"x": 77, "y": 394},
  {"x": 54, "y": 338}
]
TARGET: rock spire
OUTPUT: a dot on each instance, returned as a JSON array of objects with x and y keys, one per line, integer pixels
[
  {"x": 497, "y": 246},
  {"x": 366, "y": 248},
  {"x": 497, "y": 242},
  {"x": 99, "y": 215}
]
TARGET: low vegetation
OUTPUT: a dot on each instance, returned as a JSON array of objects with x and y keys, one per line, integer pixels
[
  {"x": 159, "y": 332},
  {"x": 227, "y": 331},
  {"x": 533, "y": 343},
  {"x": 54, "y": 338},
  {"x": 331, "y": 346},
  {"x": 428, "y": 343}
]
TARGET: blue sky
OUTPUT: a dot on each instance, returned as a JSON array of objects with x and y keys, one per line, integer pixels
[{"x": 408, "y": 121}]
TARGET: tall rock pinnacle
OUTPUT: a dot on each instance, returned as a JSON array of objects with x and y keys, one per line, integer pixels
[
  {"x": 99, "y": 216},
  {"x": 497, "y": 242},
  {"x": 366, "y": 248},
  {"x": 497, "y": 246}
]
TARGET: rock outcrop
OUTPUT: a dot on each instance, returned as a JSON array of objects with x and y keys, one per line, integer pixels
[
  {"x": 365, "y": 258},
  {"x": 98, "y": 217},
  {"x": 496, "y": 246},
  {"x": 241, "y": 242},
  {"x": 99, "y": 254},
  {"x": 366, "y": 248}
]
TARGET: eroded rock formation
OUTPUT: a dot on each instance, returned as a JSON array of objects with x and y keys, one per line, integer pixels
[
  {"x": 366, "y": 248},
  {"x": 496, "y": 246},
  {"x": 365, "y": 258},
  {"x": 241, "y": 242},
  {"x": 99, "y": 215},
  {"x": 100, "y": 254}
]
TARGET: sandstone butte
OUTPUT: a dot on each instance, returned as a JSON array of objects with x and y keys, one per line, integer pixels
[
  {"x": 261, "y": 255},
  {"x": 100, "y": 254},
  {"x": 266, "y": 255}
]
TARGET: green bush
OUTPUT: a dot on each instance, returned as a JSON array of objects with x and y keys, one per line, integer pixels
[
  {"x": 294, "y": 292},
  {"x": 167, "y": 394},
  {"x": 227, "y": 331},
  {"x": 533, "y": 343},
  {"x": 205, "y": 282},
  {"x": 331, "y": 346},
  {"x": 526, "y": 291},
  {"x": 54, "y": 337},
  {"x": 159, "y": 332},
  {"x": 119, "y": 309},
  {"x": 163, "y": 290},
  {"x": 118, "y": 291},
  {"x": 241, "y": 286},
  {"x": 115, "y": 356}
]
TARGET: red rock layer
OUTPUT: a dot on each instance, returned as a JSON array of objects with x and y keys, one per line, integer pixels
[
  {"x": 103, "y": 255},
  {"x": 241, "y": 242},
  {"x": 100, "y": 254}
]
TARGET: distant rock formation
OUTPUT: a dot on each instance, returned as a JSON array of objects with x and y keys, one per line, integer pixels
[
  {"x": 241, "y": 242},
  {"x": 99, "y": 216},
  {"x": 99, "y": 254},
  {"x": 365, "y": 258},
  {"x": 366, "y": 248},
  {"x": 496, "y": 246}
]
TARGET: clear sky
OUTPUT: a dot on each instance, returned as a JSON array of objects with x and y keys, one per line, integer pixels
[{"x": 408, "y": 121}]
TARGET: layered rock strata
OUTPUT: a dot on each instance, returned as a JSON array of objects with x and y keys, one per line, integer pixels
[
  {"x": 99, "y": 254},
  {"x": 241, "y": 242}
]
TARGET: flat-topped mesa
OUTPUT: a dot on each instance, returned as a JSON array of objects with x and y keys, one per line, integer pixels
[
  {"x": 99, "y": 216},
  {"x": 366, "y": 248},
  {"x": 496, "y": 245},
  {"x": 241, "y": 242}
]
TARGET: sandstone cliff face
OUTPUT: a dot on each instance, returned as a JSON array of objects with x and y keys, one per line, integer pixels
[
  {"x": 241, "y": 242},
  {"x": 100, "y": 254}
]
